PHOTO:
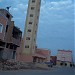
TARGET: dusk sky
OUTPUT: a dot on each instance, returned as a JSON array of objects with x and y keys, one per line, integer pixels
[{"x": 56, "y": 23}]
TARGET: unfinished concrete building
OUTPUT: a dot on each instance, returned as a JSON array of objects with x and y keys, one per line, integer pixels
[{"x": 10, "y": 36}]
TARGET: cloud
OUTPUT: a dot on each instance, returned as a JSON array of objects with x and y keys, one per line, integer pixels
[
  {"x": 59, "y": 9},
  {"x": 57, "y": 21},
  {"x": 21, "y": 7}
]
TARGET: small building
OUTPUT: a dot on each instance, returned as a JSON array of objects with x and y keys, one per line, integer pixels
[
  {"x": 42, "y": 55},
  {"x": 53, "y": 59},
  {"x": 64, "y": 57},
  {"x": 10, "y": 36}
]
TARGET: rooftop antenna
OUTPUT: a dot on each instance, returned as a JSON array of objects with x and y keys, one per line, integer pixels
[{"x": 8, "y": 8}]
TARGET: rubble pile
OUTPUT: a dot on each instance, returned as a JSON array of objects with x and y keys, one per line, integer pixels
[{"x": 16, "y": 65}]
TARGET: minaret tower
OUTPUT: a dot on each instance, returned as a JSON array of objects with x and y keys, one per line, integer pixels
[{"x": 31, "y": 25}]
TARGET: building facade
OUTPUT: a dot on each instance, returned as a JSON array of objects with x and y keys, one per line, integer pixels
[
  {"x": 28, "y": 52},
  {"x": 10, "y": 36},
  {"x": 29, "y": 38},
  {"x": 64, "y": 57},
  {"x": 40, "y": 56}
]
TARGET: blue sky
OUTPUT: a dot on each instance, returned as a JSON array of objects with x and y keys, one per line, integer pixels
[{"x": 56, "y": 23}]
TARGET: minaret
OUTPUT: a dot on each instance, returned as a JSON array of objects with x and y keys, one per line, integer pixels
[{"x": 31, "y": 25}]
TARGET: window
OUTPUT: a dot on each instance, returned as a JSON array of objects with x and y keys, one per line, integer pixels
[
  {"x": 33, "y": 1},
  {"x": 30, "y": 22},
  {"x": 8, "y": 16},
  {"x": 27, "y": 38},
  {"x": 26, "y": 46},
  {"x": 31, "y": 15},
  {"x": 32, "y": 8},
  {"x": 6, "y": 28},
  {"x": 1, "y": 28},
  {"x": 29, "y": 30},
  {"x": 7, "y": 45}
]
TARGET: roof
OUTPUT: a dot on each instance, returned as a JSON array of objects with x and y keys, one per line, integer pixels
[
  {"x": 65, "y": 50},
  {"x": 45, "y": 52},
  {"x": 42, "y": 53},
  {"x": 42, "y": 49},
  {"x": 39, "y": 55}
]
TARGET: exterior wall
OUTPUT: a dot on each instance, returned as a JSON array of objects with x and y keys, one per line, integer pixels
[
  {"x": 33, "y": 10},
  {"x": 63, "y": 63},
  {"x": 46, "y": 53},
  {"x": 7, "y": 54},
  {"x": 24, "y": 58},
  {"x": 16, "y": 41},
  {"x": 58, "y": 62},
  {"x": 8, "y": 34},
  {"x": 68, "y": 64},
  {"x": 3, "y": 21},
  {"x": 8, "y": 43},
  {"x": 64, "y": 55},
  {"x": 38, "y": 60}
]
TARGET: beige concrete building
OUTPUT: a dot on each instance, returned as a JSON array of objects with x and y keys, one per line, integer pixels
[
  {"x": 29, "y": 38},
  {"x": 64, "y": 57},
  {"x": 28, "y": 52}
]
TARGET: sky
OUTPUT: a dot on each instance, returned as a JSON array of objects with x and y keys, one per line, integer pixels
[{"x": 56, "y": 22}]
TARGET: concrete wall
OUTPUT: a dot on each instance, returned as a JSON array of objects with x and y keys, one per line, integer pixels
[
  {"x": 24, "y": 58},
  {"x": 6, "y": 36},
  {"x": 64, "y": 55},
  {"x": 44, "y": 52},
  {"x": 63, "y": 63},
  {"x": 3, "y": 21},
  {"x": 7, "y": 53}
]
